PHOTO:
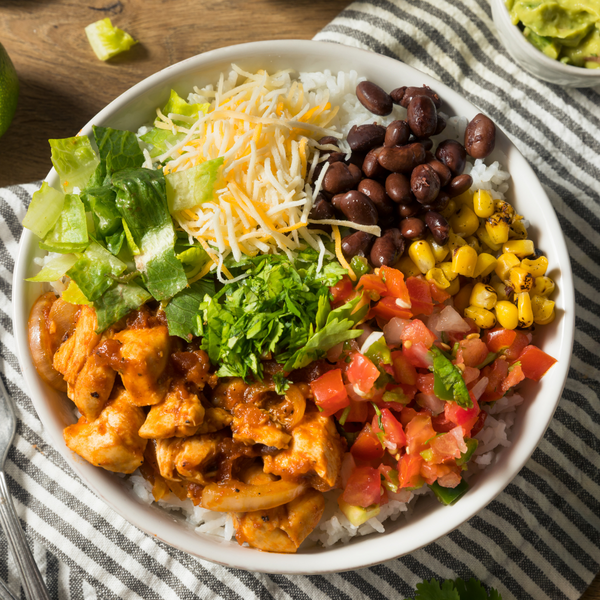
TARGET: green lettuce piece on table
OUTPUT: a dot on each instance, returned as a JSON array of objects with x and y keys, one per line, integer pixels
[
  {"x": 70, "y": 233},
  {"x": 44, "y": 210},
  {"x": 55, "y": 269},
  {"x": 142, "y": 202},
  {"x": 107, "y": 40},
  {"x": 182, "y": 310},
  {"x": 191, "y": 187},
  {"x": 74, "y": 160}
]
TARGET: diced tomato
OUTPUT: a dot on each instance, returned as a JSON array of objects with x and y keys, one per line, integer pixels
[
  {"x": 515, "y": 376},
  {"x": 388, "y": 473},
  {"x": 420, "y": 296},
  {"x": 437, "y": 294},
  {"x": 470, "y": 375},
  {"x": 535, "y": 363},
  {"x": 373, "y": 286},
  {"x": 418, "y": 432},
  {"x": 330, "y": 392},
  {"x": 341, "y": 291},
  {"x": 396, "y": 286},
  {"x": 404, "y": 371},
  {"x": 363, "y": 487},
  {"x": 446, "y": 446},
  {"x": 393, "y": 428},
  {"x": 446, "y": 474},
  {"x": 362, "y": 372},
  {"x": 472, "y": 352},
  {"x": 407, "y": 415},
  {"x": 425, "y": 382},
  {"x": 514, "y": 350},
  {"x": 388, "y": 308},
  {"x": 416, "y": 332},
  {"x": 498, "y": 338},
  {"x": 455, "y": 336},
  {"x": 358, "y": 412},
  {"x": 418, "y": 355},
  {"x": 409, "y": 469},
  {"x": 441, "y": 424},
  {"x": 367, "y": 445},
  {"x": 465, "y": 417},
  {"x": 496, "y": 374},
  {"x": 479, "y": 423}
]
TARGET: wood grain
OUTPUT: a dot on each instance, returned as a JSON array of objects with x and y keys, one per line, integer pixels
[{"x": 63, "y": 84}]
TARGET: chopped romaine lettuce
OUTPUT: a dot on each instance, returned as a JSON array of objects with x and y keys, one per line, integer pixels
[
  {"x": 55, "y": 269},
  {"x": 178, "y": 106},
  {"x": 193, "y": 258},
  {"x": 183, "y": 308},
  {"x": 118, "y": 149},
  {"x": 107, "y": 40},
  {"x": 161, "y": 140},
  {"x": 74, "y": 295},
  {"x": 142, "y": 202},
  {"x": 74, "y": 160},
  {"x": 69, "y": 233},
  {"x": 93, "y": 270},
  {"x": 100, "y": 201},
  {"x": 117, "y": 301},
  {"x": 191, "y": 187},
  {"x": 44, "y": 210}
]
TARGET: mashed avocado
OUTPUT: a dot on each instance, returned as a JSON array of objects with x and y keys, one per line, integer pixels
[{"x": 565, "y": 30}]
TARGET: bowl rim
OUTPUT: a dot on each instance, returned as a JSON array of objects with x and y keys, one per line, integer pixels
[
  {"x": 339, "y": 557},
  {"x": 518, "y": 38}
]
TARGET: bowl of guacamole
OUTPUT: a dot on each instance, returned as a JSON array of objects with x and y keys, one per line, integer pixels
[{"x": 555, "y": 40}]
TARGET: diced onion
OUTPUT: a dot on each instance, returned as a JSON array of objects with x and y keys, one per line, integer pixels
[
  {"x": 393, "y": 331},
  {"x": 478, "y": 389},
  {"x": 371, "y": 339},
  {"x": 430, "y": 401},
  {"x": 450, "y": 320}
]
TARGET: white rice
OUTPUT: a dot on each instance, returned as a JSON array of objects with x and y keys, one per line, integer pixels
[{"x": 334, "y": 527}]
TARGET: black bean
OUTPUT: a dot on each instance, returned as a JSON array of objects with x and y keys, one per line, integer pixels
[
  {"x": 363, "y": 138},
  {"x": 425, "y": 184},
  {"x": 397, "y": 187},
  {"x": 357, "y": 208},
  {"x": 453, "y": 155},
  {"x": 459, "y": 184},
  {"x": 411, "y": 209},
  {"x": 439, "y": 204},
  {"x": 387, "y": 249},
  {"x": 329, "y": 139},
  {"x": 412, "y": 228},
  {"x": 441, "y": 125},
  {"x": 443, "y": 172},
  {"x": 401, "y": 159},
  {"x": 440, "y": 230},
  {"x": 374, "y": 99},
  {"x": 397, "y": 94},
  {"x": 376, "y": 193},
  {"x": 397, "y": 134},
  {"x": 371, "y": 167},
  {"x": 322, "y": 209},
  {"x": 403, "y": 96},
  {"x": 427, "y": 143},
  {"x": 480, "y": 136},
  {"x": 422, "y": 116},
  {"x": 357, "y": 158},
  {"x": 341, "y": 177},
  {"x": 358, "y": 243}
]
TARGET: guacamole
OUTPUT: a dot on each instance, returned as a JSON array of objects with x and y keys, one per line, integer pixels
[{"x": 565, "y": 30}]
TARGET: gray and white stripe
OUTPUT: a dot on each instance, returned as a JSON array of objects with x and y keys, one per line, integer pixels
[{"x": 539, "y": 539}]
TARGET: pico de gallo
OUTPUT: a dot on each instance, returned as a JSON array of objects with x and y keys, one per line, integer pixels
[{"x": 409, "y": 398}]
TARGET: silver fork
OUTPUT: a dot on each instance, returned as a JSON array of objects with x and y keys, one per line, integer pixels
[{"x": 33, "y": 584}]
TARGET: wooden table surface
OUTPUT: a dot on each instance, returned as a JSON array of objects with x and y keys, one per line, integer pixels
[{"x": 63, "y": 84}]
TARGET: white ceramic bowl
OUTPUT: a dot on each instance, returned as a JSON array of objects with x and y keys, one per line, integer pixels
[
  {"x": 431, "y": 520},
  {"x": 534, "y": 61}
]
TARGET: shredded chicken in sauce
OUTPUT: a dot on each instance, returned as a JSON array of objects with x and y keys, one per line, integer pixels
[{"x": 150, "y": 401}]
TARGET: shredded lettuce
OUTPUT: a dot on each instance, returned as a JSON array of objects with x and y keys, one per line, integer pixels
[
  {"x": 74, "y": 160},
  {"x": 182, "y": 310},
  {"x": 118, "y": 301},
  {"x": 92, "y": 272},
  {"x": 191, "y": 187},
  {"x": 142, "y": 202},
  {"x": 107, "y": 40},
  {"x": 44, "y": 210},
  {"x": 55, "y": 269},
  {"x": 70, "y": 233}
]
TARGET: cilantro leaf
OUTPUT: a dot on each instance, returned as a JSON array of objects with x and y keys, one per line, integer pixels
[
  {"x": 183, "y": 308},
  {"x": 448, "y": 382},
  {"x": 454, "y": 590}
]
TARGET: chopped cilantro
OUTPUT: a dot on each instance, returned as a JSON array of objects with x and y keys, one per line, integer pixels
[
  {"x": 448, "y": 382},
  {"x": 455, "y": 590}
]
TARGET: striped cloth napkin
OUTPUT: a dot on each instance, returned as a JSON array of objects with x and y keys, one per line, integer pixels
[{"x": 539, "y": 539}]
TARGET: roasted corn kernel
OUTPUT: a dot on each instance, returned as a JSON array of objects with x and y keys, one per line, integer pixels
[
  {"x": 498, "y": 227},
  {"x": 506, "y": 262},
  {"x": 437, "y": 276},
  {"x": 407, "y": 266},
  {"x": 465, "y": 199},
  {"x": 507, "y": 314},
  {"x": 518, "y": 231},
  {"x": 521, "y": 248},
  {"x": 449, "y": 210},
  {"x": 455, "y": 241},
  {"x": 474, "y": 243},
  {"x": 524, "y": 309},
  {"x": 483, "y": 204},
  {"x": 462, "y": 298},
  {"x": 483, "y": 318},
  {"x": 446, "y": 267},
  {"x": 503, "y": 291},
  {"x": 542, "y": 286},
  {"x": 547, "y": 321},
  {"x": 543, "y": 309},
  {"x": 537, "y": 267},
  {"x": 483, "y": 296},
  {"x": 465, "y": 222},
  {"x": 440, "y": 252},
  {"x": 454, "y": 287},
  {"x": 464, "y": 261},
  {"x": 520, "y": 280},
  {"x": 484, "y": 238},
  {"x": 486, "y": 263},
  {"x": 504, "y": 207},
  {"x": 421, "y": 254}
]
